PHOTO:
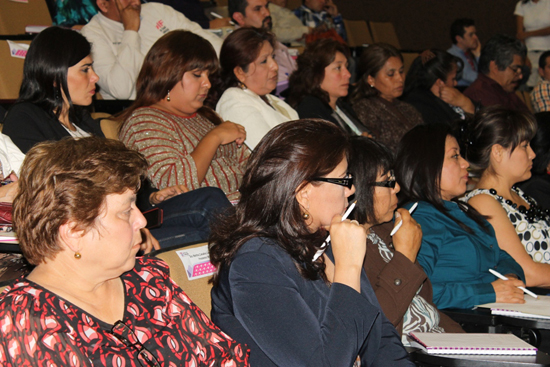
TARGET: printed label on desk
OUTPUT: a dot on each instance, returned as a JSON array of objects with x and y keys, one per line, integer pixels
[
  {"x": 18, "y": 50},
  {"x": 196, "y": 262}
]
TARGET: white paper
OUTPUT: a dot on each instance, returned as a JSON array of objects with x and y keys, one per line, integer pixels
[
  {"x": 196, "y": 262},
  {"x": 533, "y": 307},
  {"x": 18, "y": 50}
]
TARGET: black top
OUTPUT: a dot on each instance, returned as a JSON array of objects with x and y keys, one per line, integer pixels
[
  {"x": 313, "y": 107},
  {"x": 27, "y": 124},
  {"x": 538, "y": 187},
  {"x": 433, "y": 109}
]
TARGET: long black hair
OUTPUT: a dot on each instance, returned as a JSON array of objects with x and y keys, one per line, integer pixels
[
  {"x": 48, "y": 60},
  {"x": 368, "y": 159},
  {"x": 418, "y": 168},
  {"x": 289, "y": 157},
  {"x": 424, "y": 73}
]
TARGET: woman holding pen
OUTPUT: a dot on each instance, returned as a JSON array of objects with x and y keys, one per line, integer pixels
[
  {"x": 458, "y": 244},
  {"x": 497, "y": 146},
  {"x": 401, "y": 285}
]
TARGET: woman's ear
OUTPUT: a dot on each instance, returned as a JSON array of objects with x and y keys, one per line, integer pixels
[
  {"x": 239, "y": 73},
  {"x": 371, "y": 81},
  {"x": 302, "y": 196},
  {"x": 497, "y": 152},
  {"x": 70, "y": 235}
]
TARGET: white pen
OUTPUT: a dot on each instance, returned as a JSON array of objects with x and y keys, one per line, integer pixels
[
  {"x": 396, "y": 228},
  {"x": 500, "y": 276},
  {"x": 216, "y": 15},
  {"x": 325, "y": 244}
]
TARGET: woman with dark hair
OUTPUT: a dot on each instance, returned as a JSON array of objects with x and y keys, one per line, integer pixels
[
  {"x": 320, "y": 83},
  {"x": 248, "y": 75},
  {"x": 497, "y": 146},
  {"x": 401, "y": 285},
  {"x": 184, "y": 142},
  {"x": 538, "y": 186},
  {"x": 58, "y": 82},
  {"x": 291, "y": 307},
  {"x": 458, "y": 244},
  {"x": 430, "y": 88},
  {"x": 375, "y": 99},
  {"x": 90, "y": 301}
]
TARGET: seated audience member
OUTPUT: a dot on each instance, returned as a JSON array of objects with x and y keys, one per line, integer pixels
[
  {"x": 533, "y": 29},
  {"x": 458, "y": 244},
  {"x": 430, "y": 88},
  {"x": 321, "y": 82},
  {"x": 401, "y": 286},
  {"x": 248, "y": 75},
  {"x": 500, "y": 72},
  {"x": 169, "y": 125},
  {"x": 375, "y": 99},
  {"x": 540, "y": 95},
  {"x": 269, "y": 292},
  {"x": 497, "y": 147},
  {"x": 286, "y": 25},
  {"x": 255, "y": 13},
  {"x": 321, "y": 14},
  {"x": 466, "y": 47},
  {"x": 538, "y": 186},
  {"x": 90, "y": 299},
  {"x": 122, "y": 33},
  {"x": 194, "y": 10},
  {"x": 58, "y": 82}
]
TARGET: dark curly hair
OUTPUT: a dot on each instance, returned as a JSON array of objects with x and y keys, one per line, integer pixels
[
  {"x": 289, "y": 157},
  {"x": 307, "y": 78}
]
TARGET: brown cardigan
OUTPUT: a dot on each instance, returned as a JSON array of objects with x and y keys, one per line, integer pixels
[{"x": 395, "y": 283}]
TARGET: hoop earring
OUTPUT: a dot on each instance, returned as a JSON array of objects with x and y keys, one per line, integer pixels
[
  {"x": 77, "y": 255},
  {"x": 168, "y": 96}
]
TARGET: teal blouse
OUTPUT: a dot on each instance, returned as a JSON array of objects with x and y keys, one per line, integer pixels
[{"x": 458, "y": 262}]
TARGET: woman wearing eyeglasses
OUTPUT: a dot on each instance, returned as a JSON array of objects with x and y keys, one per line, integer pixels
[
  {"x": 401, "y": 285},
  {"x": 271, "y": 291},
  {"x": 90, "y": 301},
  {"x": 458, "y": 244}
]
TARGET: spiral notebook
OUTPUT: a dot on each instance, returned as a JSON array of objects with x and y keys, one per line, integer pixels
[
  {"x": 459, "y": 343},
  {"x": 536, "y": 308}
]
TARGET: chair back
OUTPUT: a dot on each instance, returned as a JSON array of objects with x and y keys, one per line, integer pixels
[
  {"x": 408, "y": 58},
  {"x": 358, "y": 33},
  {"x": 384, "y": 32},
  {"x": 293, "y": 4},
  {"x": 16, "y": 15},
  {"x": 526, "y": 98},
  {"x": 11, "y": 72},
  {"x": 198, "y": 289}
]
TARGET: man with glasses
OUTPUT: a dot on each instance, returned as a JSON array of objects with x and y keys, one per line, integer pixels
[{"x": 500, "y": 73}]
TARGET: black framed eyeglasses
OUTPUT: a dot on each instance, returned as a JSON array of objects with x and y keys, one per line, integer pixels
[
  {"x": 390, "y": 182},
  {"x": 346, "y": 181},
  {"x": 127, "y": 336}
]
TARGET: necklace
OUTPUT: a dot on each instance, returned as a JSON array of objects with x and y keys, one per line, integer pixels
[{"x": 534, "y": 214}]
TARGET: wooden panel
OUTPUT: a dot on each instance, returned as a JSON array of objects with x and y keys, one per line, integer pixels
[
  {"x": 14, "y": 16},
  {"x": 11, "y": 72}
]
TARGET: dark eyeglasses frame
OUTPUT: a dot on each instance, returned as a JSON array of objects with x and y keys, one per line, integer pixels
[
  {"x": 346, "y": 181},
  {"x": 390, "y": 183},
  {"x": 144, "y": 356}
]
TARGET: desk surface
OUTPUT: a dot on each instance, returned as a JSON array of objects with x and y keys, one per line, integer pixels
[{"x": 541, "y": 359}]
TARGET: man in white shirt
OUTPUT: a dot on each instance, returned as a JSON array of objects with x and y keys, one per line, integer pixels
[
  {"x": 255, "y": 13},
  {"x": 122, "y": 33}
]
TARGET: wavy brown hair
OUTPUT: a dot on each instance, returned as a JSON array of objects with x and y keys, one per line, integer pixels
[
  {"x": 66, "y": 181},
  {"x": 289, "y": 157},
  {"x": 307, "y": 78}
]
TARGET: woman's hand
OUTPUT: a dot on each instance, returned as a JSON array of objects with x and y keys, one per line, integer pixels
[
  {"x": 149, "y": 243},
  {"x": 349, "y": 245},
  {"x": 507, "y": 291},
  {"x": 228, "y": 132},
  {"x": 454, "y": 97},
  {"x": 408, "y": 238},
  {"x": 167, "y": 193},
  {"x": 9, "y": 191}
]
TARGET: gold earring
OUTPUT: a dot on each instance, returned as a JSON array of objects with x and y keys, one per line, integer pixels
[
  {"x": 306, "y": 216},
  {"x": 77, "y": 255},
  {"x": 168, "y": 96}
]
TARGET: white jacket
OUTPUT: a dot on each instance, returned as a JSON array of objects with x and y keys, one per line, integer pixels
[
  {"x": 248, "y": 109},
  {"x": 118, "y": 54}
]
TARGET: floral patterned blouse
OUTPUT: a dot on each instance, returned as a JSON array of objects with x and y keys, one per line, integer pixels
[{"x": 40, "y": 328}]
